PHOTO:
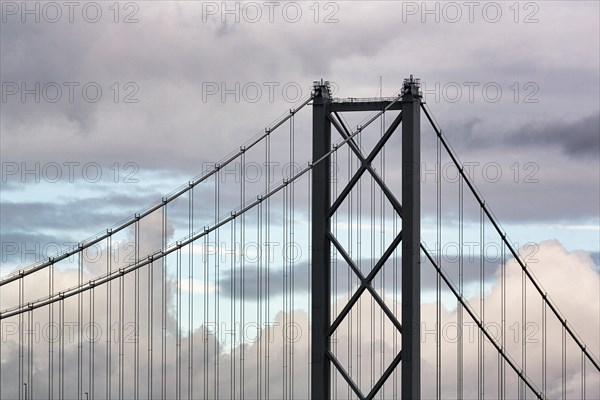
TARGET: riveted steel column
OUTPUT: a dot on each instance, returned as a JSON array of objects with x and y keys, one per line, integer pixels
[
  {"x": 411, "y": 237},
  {"x": 321, "y": 246}
]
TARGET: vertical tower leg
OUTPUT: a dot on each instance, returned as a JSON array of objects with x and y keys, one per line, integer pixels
[
  {"x": 411, "y": 238},
  {"x": 321, "y": 257}
]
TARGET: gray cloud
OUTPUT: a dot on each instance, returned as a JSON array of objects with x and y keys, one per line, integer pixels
[
  {"x": 57, "y": 216},
  {"x": 578, "y": 138},
  {"x": 299, "y": 273},
  {"x": 172, "y": 128}
]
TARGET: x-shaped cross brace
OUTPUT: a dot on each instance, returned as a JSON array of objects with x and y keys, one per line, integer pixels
[{"x": 365, "y": 282}]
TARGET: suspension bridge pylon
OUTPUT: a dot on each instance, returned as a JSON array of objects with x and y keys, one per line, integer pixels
[{"x": 325, "y": 115}]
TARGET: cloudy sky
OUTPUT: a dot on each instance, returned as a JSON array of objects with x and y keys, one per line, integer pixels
[{"x": 106, "y": 107}]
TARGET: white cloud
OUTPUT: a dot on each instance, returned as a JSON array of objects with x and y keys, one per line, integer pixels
[{"x": 556, "y": 267}]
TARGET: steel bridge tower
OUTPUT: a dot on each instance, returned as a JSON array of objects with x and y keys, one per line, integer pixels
[{"x": 324, "y": 108}]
